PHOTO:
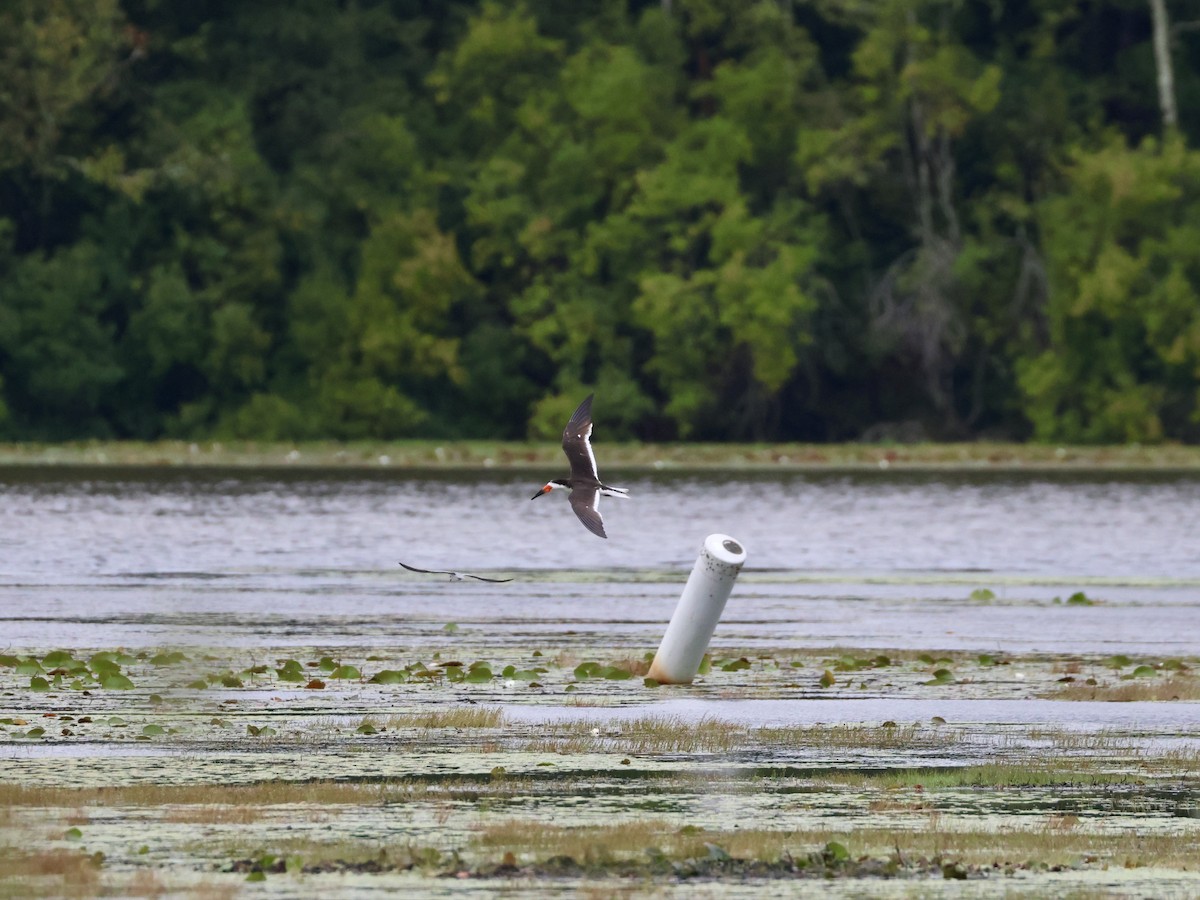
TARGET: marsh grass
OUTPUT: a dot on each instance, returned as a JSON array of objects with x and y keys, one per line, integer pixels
[
  {"x": 1175, "y": 687},
  {"x": 644, "y": 735},
  {"x": 48, "y": 873},
  {"x": 1047, "y": 843},
  {"x": 1030, "y": 772},
  {"x": 857, "y": 737},
  {"x": 267, "y": 793},
  {"x": 656, "y": 735},
  {"x": 465, "y": 718}
]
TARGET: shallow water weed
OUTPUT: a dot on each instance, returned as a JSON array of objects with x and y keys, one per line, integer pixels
[
  {"x": 1174, "y": 687},
  {"x": 462, "y": 717}
]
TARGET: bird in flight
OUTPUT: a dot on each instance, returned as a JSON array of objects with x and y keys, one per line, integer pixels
[
  {"x": 585, "y": 486},
  {"x": 454, "y": 576}
]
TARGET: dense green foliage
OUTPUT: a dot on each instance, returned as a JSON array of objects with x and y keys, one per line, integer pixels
[{"x": 794, "y": 219}]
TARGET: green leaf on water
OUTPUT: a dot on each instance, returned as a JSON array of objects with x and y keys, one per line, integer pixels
[
  {"x": 153, "y": 730},
  {"x": 615, "y": 673},
  {"x": 116, "y": 682},
  {"x": 982, "y": 595},
  {"x": 260, "y": 731},
  {"x": 926, "y": 658},
  {"x": 56, "y": 658},
  {"x": 37, "y": 683},
  {"x": 1119, "y": 661},
  {"x": 172, "y": 658},
  {"x": 450, "y": 627},
  {"x": 835, "y": 852},
  {"x": 942, "y": 676},
  {"x": 326, "y": 664},
  {"x": 1144, "y": 672},
  {"x": 231, "y": 681},
  {"x": 345, "y": 672},
  {"x": 103, "y": 666},
  {"x": 587, "y": 669},
  {"x": 30, "y": 666},
  {"x": 827, "y": 680},
  {"x": 478, "y": 675},
  {"x": 116, "y": 721},
  {"x": 8, "y": 661},
  {"x": 650, "y": 682},
  {"x": 198, "y": 685},
  {"x": 986, "y": 659},
  {"x": 1079, "y": 598},
  {"x": 389, "y": 676},
  {"x": 257, "y": 875},
  {"x": 366, "y": 728},
  {"x": 736, "y": 665},
  {"x": 73, "y": 834},
  {"x": 705, "y": 665},
  {"x": 36, "y": 732}
]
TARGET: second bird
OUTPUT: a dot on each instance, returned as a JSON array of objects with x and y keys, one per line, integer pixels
[{"x": 584, "y": 484}]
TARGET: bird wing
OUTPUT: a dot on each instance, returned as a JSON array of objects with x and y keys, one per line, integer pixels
[
  {"x": 577, "y": 442},
  {"x": 453, "y": 575},
  {"x": 425, "y": 571},
  {"x": 584, "y": 501}
]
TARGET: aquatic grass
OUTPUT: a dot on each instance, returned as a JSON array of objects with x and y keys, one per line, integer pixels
[
  {"x": 1174, "y": 687},
  {"x": 51, "y": 872},
  {"x": 173, "y": 797},
  {"x": 644, "y": 735},
  {"x": 216, "y": 814},
  {"x": 877, "y": 737},
  {"x": 1018, "y": 773},
  {"x": 467, "y": 717},
  {"x": 1046, "y": 843}
]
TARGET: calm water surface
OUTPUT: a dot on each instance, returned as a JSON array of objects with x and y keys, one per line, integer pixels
[{"x": 93, "y": 557}]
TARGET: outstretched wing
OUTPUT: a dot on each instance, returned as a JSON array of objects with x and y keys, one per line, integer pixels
[
  {"x": 454, "y": 576},
  {"x": 425, "y": 571},
  {"x": 577, "y": 442},
  {"x": 584, "y": 501}
]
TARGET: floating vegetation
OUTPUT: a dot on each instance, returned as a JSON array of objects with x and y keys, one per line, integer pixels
[{"x": 588, "y": 797}]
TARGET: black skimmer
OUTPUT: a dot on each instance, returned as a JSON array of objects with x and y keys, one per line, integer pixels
[
  {"x": 584, "y": 484},
  {"x": 454, "y": 576}
]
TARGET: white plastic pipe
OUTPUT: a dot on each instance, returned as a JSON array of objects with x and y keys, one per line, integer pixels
[{"x": 699, "y": 609}]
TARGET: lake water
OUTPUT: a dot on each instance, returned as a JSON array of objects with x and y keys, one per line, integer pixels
[{"x": 105, "y": 557}]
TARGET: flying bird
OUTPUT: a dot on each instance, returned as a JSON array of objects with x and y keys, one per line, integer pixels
[
  {"x": 454, "y": 576},
  {"x": 585, "y": 486}
]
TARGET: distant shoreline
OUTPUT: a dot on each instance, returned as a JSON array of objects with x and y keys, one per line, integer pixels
[{"x": 517, "y": 455}]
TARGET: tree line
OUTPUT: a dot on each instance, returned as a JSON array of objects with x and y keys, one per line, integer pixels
[{"x": 783, "y": 220}]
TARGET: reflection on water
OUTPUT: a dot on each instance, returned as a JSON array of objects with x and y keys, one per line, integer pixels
[{"x": 147, "y": 556}]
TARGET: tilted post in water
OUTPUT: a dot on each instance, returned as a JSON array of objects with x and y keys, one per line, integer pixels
[{"x": 700, "y": 607}]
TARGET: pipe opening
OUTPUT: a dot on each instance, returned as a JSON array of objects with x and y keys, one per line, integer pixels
[{"x": 732, "y": 546}]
